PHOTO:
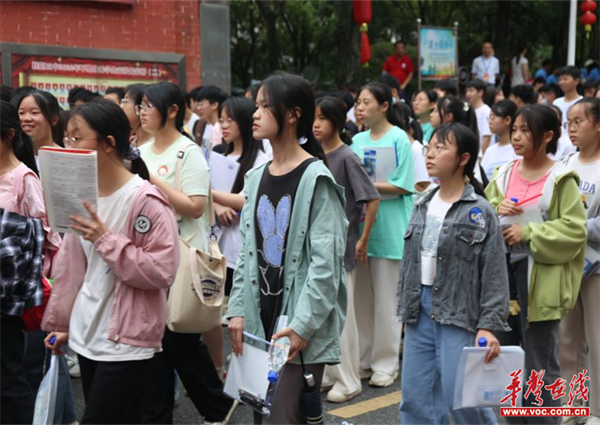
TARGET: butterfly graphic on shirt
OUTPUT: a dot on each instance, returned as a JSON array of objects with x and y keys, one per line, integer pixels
[{"x": 273, "y": 224}]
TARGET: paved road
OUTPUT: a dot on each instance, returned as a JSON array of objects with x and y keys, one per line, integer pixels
[{"x": 373, "y": 406}]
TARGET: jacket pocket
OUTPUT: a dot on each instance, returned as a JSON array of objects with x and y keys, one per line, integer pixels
[{"x": 470, "y": 243}]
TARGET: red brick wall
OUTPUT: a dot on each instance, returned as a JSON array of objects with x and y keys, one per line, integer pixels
[{"x": 170, "y": 26}]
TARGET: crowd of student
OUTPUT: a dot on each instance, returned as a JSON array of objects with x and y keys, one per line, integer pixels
[{"x": 415, "y": 267}]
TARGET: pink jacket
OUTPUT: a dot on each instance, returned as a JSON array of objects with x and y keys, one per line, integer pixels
[{"x": 145, "y": 261}]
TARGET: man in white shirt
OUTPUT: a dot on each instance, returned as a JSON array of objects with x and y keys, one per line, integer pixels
[
  {"x": 486, "y": 67},
  {"x": 474, "y": 95},
  {"x": 209, "y": 99}
]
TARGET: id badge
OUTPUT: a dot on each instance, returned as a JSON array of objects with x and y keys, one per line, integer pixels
[{"x": 486, "y": 77}]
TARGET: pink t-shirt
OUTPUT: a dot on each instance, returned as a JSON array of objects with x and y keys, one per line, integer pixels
[
  {"x": 21, "y": 193},
  {"x": 523, "y": 189}
]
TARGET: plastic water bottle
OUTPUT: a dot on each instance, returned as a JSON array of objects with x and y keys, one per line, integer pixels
[
  {"x": 482, "y": 342},
  {"x": 278, "y": 351}
]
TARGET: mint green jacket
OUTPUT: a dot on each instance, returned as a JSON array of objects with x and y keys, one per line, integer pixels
[{"x": 314, "y": 291}]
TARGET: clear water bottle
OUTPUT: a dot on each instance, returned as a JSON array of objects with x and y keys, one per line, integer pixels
[{"x": 278, "y": 351}]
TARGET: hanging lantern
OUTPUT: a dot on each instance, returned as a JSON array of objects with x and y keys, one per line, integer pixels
[
  {"x": 363, "y": 13},
  {"x": 589, "y": 17}
]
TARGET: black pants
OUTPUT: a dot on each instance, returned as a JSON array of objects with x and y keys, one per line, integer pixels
[
  {"x": 112, "y": 391},
  {"x": 15, "y": 393},
  {"x": 188, "y": 355},
  {"x": 539, "y": 341}
]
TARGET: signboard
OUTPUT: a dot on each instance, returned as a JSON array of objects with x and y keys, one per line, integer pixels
[
  {"x": 58, "y": 75},
  {"x": 438, "y": 53}
]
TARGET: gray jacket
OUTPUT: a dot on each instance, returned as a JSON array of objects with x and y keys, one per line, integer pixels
[{"x": 471, "y": 288}]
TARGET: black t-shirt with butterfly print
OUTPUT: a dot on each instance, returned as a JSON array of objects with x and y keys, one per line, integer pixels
[{"x": 273, "y": 215}]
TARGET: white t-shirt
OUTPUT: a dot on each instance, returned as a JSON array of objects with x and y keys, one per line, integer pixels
[
  {"x": 189, "y": 126},
  {"x": 517, "y": 71},
  {"x": 565, "y": 147},
  {"x": 351, "y": 116},
  {"x": 88, "y": 328},
  {"x": 495, "y": 156},
  {"x": 228, "y": 237},
  {"x": 436, "y": 212},
  {"x": 421, "y": 174},
  {"x": 483, "y": 125},
  {"x": 564, "y": 107},
  {"x": 486, "y": 69},
  {"x": 589, "y": 178}
]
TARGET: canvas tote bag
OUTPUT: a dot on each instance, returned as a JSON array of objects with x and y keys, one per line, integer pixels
[{"x": 196, "y": 296}]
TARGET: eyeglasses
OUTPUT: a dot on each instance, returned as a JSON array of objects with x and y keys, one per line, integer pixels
[
  {"x": 434, "y": 149},
  {"x": 228, "y": 121},
  {"x": 573, "y": 124},
  {"x": 72, "y": 141},
  {"x": 124, "y": 101},
  {"x": 144, "y": 107}
]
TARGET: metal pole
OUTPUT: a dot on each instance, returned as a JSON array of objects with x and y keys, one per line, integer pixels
[
  {"x": 419, "y": 52},
  {"x": 572, "y": 32},
  {"x": 456, "y": 38}
]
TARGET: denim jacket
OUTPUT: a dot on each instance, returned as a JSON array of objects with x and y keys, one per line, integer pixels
[
  {"x": 314, "y": 288},
  {"x": 470, "y": 289}
]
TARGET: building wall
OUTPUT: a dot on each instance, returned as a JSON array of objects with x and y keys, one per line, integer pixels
[{"x": 169, "y": 26}]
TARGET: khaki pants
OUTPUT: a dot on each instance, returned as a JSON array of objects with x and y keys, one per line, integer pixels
[
  {"x": 579, "y": 341},
  {"x": 344, "y": 377},
  {"x": 379, "y": 329}
]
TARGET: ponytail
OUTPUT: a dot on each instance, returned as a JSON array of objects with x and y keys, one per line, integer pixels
[
  {"x": 138, "y": 166},
  {"x": 314, "y": 148},
  {"x": 20, "y": 143}
]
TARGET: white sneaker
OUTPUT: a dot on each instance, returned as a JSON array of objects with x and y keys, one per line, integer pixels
[
  {"x": 365, "y": 374},
  {"x": 382, "y": 380},
  {"x": 335, "y": 396}
]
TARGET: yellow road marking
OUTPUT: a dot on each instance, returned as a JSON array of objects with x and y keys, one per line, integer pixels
[{"x": 367, "y": 406}]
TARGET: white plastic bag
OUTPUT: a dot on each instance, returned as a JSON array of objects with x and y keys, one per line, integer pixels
[
  {"x": 45, "y": 401},
  {"x": 480, "y": 384}
]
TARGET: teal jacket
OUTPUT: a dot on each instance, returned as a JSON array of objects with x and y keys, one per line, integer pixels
[{"x": 314, "y": 295}]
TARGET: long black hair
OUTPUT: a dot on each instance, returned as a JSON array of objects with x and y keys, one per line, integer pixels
[
  {"x": 51, "y": 110},
  {"x": 334, "y": 110},
  {"x": 136, "y": 92},
  {"x": 541, "y": 119},
  {"x": 504, "y": 109},
  {"x": 240, "y": 110},
  {"x": 383, "y": 94},
  {"x": 461, "y": 111},
  {"x": 108, "y": 119},
  {"x": 163, "y": 95},
  {"x": 19, "y": 142},
  {"x": 467, "y": 142},
  {"x": 286, "y": 92},
  {"x": 410, "y": 121}
]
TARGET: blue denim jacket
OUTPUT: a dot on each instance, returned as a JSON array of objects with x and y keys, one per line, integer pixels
[{"x": 470, "y": 289}]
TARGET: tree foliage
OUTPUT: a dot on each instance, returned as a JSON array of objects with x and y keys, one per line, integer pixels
[{"x": 318, "y": 38}]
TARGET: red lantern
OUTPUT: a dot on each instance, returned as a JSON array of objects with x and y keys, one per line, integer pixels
[
  {"x": 588, "y": 18},
  {"x": 588, "y": 6},
  {"x": 363, "y": 13},
  {"x": 365, "y": 48}
]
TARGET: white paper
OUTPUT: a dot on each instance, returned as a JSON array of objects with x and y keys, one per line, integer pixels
[
  {"x": 223, "y": 171},
  {"x": 69, "y": 177},
  {"x": 248, "y": 372},
  {"x": 531, "y": 214},
  {"x": 481, "y": 384},
  {"x": 380, "y": 164}
]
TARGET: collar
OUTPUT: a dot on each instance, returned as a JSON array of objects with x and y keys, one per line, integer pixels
[{"x": 468, "y": 195}]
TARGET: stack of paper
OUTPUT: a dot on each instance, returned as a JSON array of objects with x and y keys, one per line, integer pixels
[{"x": 69, "y": 177}]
